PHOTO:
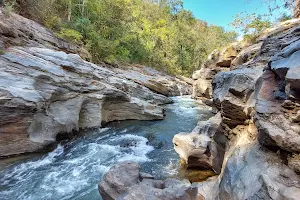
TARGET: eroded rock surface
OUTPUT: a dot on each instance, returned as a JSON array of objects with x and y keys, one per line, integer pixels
[
  {"x": 234, "y": 94},
  {"x": 204, "y": 147},
  {"x": 125, "y": 182},
  {"x": 47, "y": 89}
]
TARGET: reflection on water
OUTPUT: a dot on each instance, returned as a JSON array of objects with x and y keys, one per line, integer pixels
[{"x": 73, "y": 171}]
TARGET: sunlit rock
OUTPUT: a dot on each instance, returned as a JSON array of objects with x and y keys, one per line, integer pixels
[{"x": 204, "y": 147}]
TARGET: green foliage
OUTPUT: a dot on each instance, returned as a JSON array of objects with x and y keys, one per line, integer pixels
[
  {"x": 2, "y": 52},
  {"x": 70, "y": 35},
  {"x": 251, "y": 25},
  {"x": 159, "y": 34},
  {"x": 284, "y": 17},
  {"x": 9, "y": 7},
  {"x": 52, "y": 22}
]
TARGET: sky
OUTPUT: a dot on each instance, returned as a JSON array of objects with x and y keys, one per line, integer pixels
[{"x": 223, "y": 12}]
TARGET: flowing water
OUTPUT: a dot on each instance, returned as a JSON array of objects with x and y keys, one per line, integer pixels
[{"x": 72, "y": 171}]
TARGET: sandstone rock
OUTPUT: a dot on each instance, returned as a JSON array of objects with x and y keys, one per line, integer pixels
[
  {"x": 204, "y": 147},
  {"x": 294, "y": 162},
  {"x": 247, "y": 163},
  {"x": 202, "y": 88},
  {"x": 233, "y": 94},
  {"x": 118, "y": 180},
  {"x": 276, "y": 117},
  {"x": 227, "y": 56},
  {"x": 125, "y": 182},
  {"x": 247, "y": 54},
  {"x": 204, "y": 73},
  {"x": 16, "y": 30},
  {"x": 276, "y": 130},
  {"x": 46, "y": 92},
  {"x": 263, "y": 170},
  {"x": 161, "y": 190},
  {"x": 156, "y": 81}
]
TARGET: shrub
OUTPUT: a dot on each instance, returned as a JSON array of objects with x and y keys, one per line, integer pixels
[
  {"x": 70, "y": 34},
  {"x": 9, "y": 7}
]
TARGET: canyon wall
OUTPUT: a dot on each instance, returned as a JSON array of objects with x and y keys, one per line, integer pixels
[
  {"x": 49, "y": 91},
  {"x": 252, "y": 143}
]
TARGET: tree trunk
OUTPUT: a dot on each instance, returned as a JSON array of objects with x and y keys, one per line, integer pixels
[
  {"x": 69, "y": 10},
  {"x": 296, "y": 8},
  {"x": 82, "y": 9}
]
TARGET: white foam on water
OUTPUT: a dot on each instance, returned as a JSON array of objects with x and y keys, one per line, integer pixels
[
  {"x": 62, "y": 176},
  {"x": 124, "y": 131},
  {"x": 73, "y": 171}
]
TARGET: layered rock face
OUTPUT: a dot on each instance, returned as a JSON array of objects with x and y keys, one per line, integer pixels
[
  {"x": 259, "y": 103},
  {"x": 221, "y": 61},
  {"x": 204, "y": 147},
  {"x": 253, "y": 142},
  {"x": 46, "y": 89}
]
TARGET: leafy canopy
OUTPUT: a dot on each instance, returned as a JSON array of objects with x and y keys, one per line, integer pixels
[{"x": 157, "y": 33}]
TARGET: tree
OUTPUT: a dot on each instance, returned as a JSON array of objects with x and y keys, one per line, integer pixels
[
  {"x": 157, "y": 33},
  {"x": 296, "y": 8}
]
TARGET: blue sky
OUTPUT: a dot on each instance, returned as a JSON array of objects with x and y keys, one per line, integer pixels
[{"x": 223, "y": 12}]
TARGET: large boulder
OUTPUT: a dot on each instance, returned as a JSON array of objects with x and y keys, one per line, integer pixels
[
  {"x": 277, "y": 104},
  {"x": 119, "y": 179},
  {"x": 233, "y": 94},
  {"x": 246, "y": 163},
  {"x": 246, "y": 55},
  {"x": 202, "y": 85},
  {"x": 261, "y": 169},
  {"x": 204, "y": 147},
  {"x": 124, "y": 181}
]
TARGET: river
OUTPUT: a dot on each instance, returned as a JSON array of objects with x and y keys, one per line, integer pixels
[{"x": 73, "y": 170}]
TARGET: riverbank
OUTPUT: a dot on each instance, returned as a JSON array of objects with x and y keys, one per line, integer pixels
[{"x": 72, "y": 171}]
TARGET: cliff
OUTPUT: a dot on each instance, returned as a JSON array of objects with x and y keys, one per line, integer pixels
[{"x": 49, "y": 91}]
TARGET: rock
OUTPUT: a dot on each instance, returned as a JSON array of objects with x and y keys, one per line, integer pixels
[
  {"x": 125, "y": 182},
  {"x": 185, "y": 79},
  {"x": 46, "y": 92},
  {"x": 247, "y": 55},
  {"x": 265, "y": 91},
  {"x": 245, "y": 163},
  {"x": 276, "y": 130},
  {"x": 294, "y": 162},
  {"x": 251, "y": 164},
  {"x": 233, "y": 94},
  {"x": 277, "y": 118},
  {"x": 296, "y": 9},
  {"x": 155, "y": 81},
  {"x": 204, "y": 73},
  {"x": 16, "y": 30},
  {"x": 118, "y": 180},
  {"x": 202, "y": 88},
  {"x": 161, "y": 190},
  {"x": 296, "y": 118},
  {"x": 204, "y": 146},
  {"x": 227, "y": 55}
]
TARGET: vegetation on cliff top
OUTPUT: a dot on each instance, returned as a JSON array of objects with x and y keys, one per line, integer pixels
[{"x": 157, "y": 33}]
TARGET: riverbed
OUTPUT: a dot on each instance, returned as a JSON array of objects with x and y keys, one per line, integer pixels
[{"x": 73, "y": 170}]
